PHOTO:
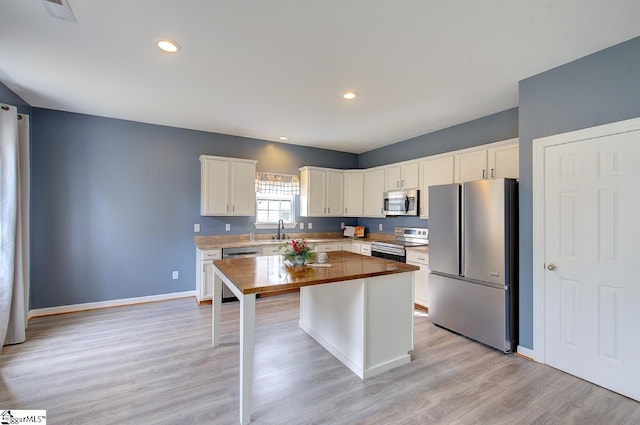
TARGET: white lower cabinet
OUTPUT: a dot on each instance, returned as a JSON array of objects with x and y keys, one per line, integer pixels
[
  {"x": 204, "y": 273},
  {"x": 272, "y": 250},
  {"x": 345, "y": 246},
  {"x": 363, "y": 248},
  {"x": 420, "y": 259},
  {"x": 327, "y": 247}
]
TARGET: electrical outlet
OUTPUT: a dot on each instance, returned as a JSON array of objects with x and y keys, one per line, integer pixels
[
  {"x": 310, "y": 226},
  {"x": 196, "y": 228},
  {"x": 342, "y": 225},
  {"x": 227, "y": 227},
  {"x": 301, "y": 226},
  {"x": 380, "y": 227},
  {"x": 174, "y": 275}
]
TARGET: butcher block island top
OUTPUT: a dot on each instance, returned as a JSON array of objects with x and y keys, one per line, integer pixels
[
  {"x": 270, "y": 273},
  {"x": 360, "y": 309}
]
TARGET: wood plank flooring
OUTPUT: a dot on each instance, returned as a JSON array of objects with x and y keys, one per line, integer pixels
[{"x": 153, "y": 364}]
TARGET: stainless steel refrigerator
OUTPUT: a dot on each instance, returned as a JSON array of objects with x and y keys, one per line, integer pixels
[{"x": 473, "y": 257}]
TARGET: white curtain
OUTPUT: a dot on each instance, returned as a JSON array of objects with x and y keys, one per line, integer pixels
[
  {"x": 14, "y": 225},
  {"x": 277, "y": 184}
]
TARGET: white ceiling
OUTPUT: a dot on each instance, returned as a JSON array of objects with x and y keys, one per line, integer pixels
[{"x": 268, "y": 68}]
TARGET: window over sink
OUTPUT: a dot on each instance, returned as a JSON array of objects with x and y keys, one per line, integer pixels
[
  {"x": 272, "y": 208},
  {"x": 275, "y": 199}
]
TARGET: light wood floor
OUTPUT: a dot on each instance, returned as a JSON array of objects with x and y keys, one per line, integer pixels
[{"x": 153, "y": 364}]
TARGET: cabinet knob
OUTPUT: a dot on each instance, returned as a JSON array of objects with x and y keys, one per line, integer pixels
[
  {"x": 484, "y": 174},
  {"x": 492, "y": 173}
]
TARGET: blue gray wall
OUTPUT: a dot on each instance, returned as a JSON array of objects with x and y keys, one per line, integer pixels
[
  {"x": 492, "y": 128},
  {"x": 114, "y": 203},
  {"x": 597, "y": 89}
]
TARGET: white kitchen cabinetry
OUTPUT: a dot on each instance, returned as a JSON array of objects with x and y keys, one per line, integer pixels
[
  {"x": 434, "y": 170},
  {"x": 495, "y": 161},
  {"x": 420, "y": 259},
  {"x": 363, "y": 248},
  {"x": 353, "y": 193},
  {"x": 272, "y": 250},
  {"x": 471, "y": 165},
  {"x": 327, "y": 247},
  {"x": 345, "y": 246},
  {"x": 404, "y": 175},
  {"x": 204, "y": 273},
  {"x": 373, "y": 189},
  {"x": 503, "y": 161},
  {"x": 227, "y": 186},
  {"x": 321, "y": 192}
]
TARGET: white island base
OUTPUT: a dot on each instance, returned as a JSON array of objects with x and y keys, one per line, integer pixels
[{"x": 367, "y": 324}]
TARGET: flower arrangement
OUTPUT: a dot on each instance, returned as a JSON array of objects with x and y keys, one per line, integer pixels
[{"x": 298, "y": 251}]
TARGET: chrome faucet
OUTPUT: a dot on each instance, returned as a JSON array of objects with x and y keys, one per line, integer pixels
[{"x": 280, "y": 226}]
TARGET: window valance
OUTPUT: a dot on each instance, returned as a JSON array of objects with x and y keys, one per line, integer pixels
[{"x": 277, "y": 184}]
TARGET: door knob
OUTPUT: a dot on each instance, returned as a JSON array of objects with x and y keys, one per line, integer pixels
[{"x": 552, "y": 267}]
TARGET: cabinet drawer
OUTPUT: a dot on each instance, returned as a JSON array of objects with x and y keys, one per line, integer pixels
[
  {"x": 365, "y": 249},
  {"x": 214, "y": 254},
  {"x": 271, "y": 250},
  {"x": 417, "y": 257},
  {"x": 326, "y": 247}
]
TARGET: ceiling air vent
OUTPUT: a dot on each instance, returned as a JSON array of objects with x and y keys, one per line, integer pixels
[{"x": 59, "y": 9}]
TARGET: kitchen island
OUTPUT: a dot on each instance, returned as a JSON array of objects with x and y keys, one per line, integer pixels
[{"x": 360, "y": 309}]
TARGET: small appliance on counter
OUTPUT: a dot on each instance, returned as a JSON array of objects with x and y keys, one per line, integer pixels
[{"x": 354, "y": 231}]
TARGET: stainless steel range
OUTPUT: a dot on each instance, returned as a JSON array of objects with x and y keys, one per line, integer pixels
[{"x": 405, "y": 237}]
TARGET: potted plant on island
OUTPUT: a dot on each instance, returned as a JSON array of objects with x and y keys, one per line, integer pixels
[{"x": 298, "y": 251}]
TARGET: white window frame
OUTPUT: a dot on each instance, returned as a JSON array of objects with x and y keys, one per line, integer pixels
[{"x": 274, "y": 225}]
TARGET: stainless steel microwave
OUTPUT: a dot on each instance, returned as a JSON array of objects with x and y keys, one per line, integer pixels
[{"x": 401, "y": 202}]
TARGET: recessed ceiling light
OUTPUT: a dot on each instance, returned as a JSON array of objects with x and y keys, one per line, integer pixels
[
  {"x": 284, "y": 138},
  {"x": 350, "y": 95},
  {"x": 168, "y": 46}
]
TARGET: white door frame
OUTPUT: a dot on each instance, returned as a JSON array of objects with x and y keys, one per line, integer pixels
[{"x": 539, "y": 145}]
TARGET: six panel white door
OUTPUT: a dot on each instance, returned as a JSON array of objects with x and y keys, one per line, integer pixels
[{"x": 592, "y": 288}]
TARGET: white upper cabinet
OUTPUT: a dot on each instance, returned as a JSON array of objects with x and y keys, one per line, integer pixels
[
  {"x": 321, "y": 192},
  {"x": 503, "y": 161},
  {"x": 496, "y": 161},
  {"x": 434, "y": 170},
  {"x": 373, "y": 189},
  {"x": 335, "y": 193},
  {"x": 358, "y": 193},
  {"x": 404, "y": 175},
  {"x": 353, "y": 193},
  {"x": 227, "y": 186},
  {"x": 471, "y": 165}
]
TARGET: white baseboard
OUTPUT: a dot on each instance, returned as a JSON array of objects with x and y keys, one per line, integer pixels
[
  {"x": 111, "y": 303},
  {"x": 525, "y": 352}
]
